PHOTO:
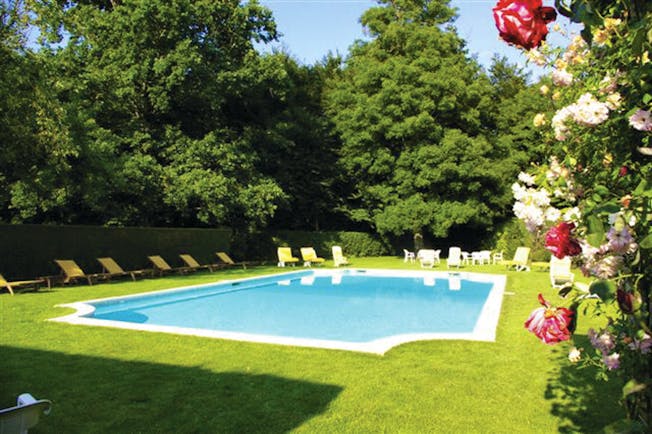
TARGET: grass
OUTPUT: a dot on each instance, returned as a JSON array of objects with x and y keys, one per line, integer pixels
[{"x": 108, "y": 380}]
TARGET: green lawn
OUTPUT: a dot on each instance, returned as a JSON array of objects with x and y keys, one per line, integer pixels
[{"x": 104, "y": 380}]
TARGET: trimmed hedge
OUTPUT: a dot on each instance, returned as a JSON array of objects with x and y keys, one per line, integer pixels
[{"x": 28, "y": 251}]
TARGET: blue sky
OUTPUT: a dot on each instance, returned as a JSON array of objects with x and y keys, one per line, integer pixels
[{"x": 313, "y": 28}]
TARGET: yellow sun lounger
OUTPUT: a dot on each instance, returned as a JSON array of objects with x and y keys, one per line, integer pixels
[
  {"x": 110, "y": 269},
  {"x": 19, "y": 283},
  {"x": 192, "y": 263},
  {"x": 161, "y": 266},
  {"x": 224, "y": 257},
  {"x": 285, "y": 256},
  {"x": 310, "y": 257},
  {"x": 72, "y": 272}
]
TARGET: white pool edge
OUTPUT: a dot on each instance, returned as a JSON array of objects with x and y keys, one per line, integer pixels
[{"x": 484, "y": 330}]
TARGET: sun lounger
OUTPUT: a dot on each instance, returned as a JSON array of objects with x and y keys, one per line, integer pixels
[
  {"x": 454, "y": 257},
  {"x": 560, "y": 272},
  {"x": 338, "y": 257},
  {"x": 110, "y": 269},
  {"x": 72, "y": 272},
  {"x": 161, "y": 266},
  {"x": 192, "y": 263},
  {"x": 521, "y": 259},
  {"x": 310, "y": 257},
  {"x": 19, "y": 283},
  {"x": 285, "y": 256},
  {"x": 23, "y": 416},
  {"x": 224, "y": 257}
]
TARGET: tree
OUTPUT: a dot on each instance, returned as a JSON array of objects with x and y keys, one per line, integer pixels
[
  {"x": 415, "y": 115},
  {"x": 35, "y": 140},
  {"x": 297, "y": 145},
  {"x": 145, "y": 91}
]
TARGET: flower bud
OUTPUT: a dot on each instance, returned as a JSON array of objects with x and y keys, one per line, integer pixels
[{"x": 628, "y": 302}]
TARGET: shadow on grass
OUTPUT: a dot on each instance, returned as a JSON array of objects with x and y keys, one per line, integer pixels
[
  {"x": 583, "y": 402},
  {"x": 93, "y": 394}
]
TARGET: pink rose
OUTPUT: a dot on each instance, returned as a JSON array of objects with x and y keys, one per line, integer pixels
[
  {"x": 559, "y": 241},
  {"x": 550, "y": 324},
  {"x": 523, "y": 22}
]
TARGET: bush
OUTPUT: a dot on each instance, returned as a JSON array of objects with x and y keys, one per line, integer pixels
[
  {"x": 513, "y": 234},
  {"x": 352, "y": 243},
  {"x": 361, "y": 244}
]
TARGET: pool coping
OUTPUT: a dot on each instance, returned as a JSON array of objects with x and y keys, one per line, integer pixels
[{"x": 484, "y": 330}]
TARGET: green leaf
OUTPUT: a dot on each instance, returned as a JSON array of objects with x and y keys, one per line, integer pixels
[
  {"x": 646, "y": 243},
  {"x": 596, "y": 231},
  {"x": 608, "y": 208},
  {"x": 642, "y": 189},
  {"x": 605, "y": 289},
  {"x": 601, "y": 190},
  {"x": 595, "y": 239}
]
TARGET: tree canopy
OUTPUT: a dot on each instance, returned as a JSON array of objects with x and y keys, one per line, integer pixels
[
  {"x": 416, "y": 116},
  {"x": 148, "y": 112}
]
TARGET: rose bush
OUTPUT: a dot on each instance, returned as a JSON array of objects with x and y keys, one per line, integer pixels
[{"x": 592, "y": 198}]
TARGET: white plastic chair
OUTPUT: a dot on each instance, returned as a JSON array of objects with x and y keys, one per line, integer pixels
[
  {"x": 427, "y": 258},
  {"x": 409, "y": 256},
  {"x": 24, "y": 415},
  {"x": 466, "y": 258}
]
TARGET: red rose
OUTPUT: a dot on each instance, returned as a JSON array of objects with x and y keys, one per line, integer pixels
[
  {"x": 550, "y": 324},
  {"x": 523, "y": 22},
  {"x": 560, "y": 242},
  {"x": 623, "y": 171}
]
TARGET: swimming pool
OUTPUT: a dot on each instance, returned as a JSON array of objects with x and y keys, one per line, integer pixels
[{"x": 359, "y": 310}]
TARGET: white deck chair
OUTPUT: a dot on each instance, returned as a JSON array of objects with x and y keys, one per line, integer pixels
[
  {"x": 560, "y": 272},
  {"x": 338, "y": 257},
  {"x": 521, "y": 259},
  {"x": 454, "y": 257},
  {"x": 24, "y": 415}
]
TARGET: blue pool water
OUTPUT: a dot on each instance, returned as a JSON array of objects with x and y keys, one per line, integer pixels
[{"x": 353, "y": 306}]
